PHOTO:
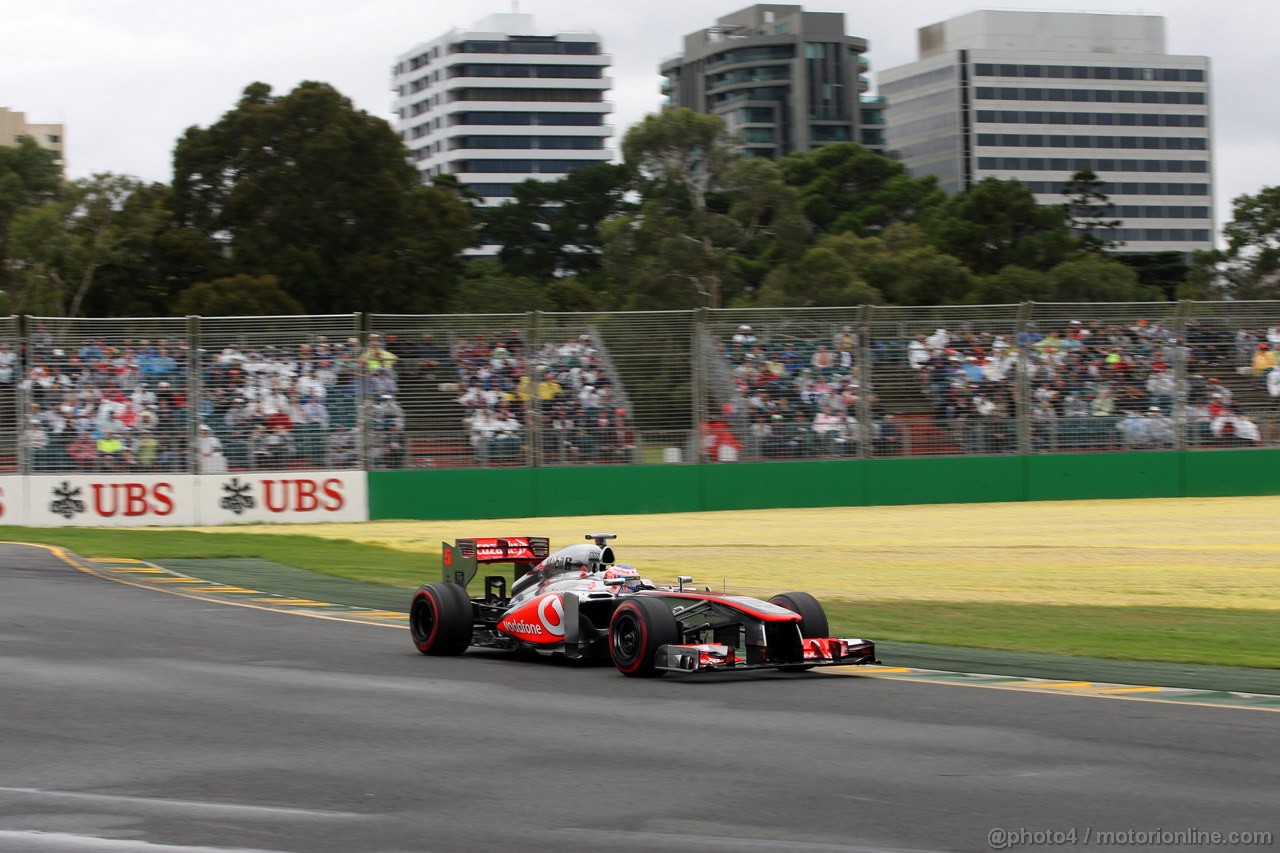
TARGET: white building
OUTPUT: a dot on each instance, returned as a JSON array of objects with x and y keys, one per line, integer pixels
[
  {"x": 1037, "y": 96},
  {"x": 496, "y": 104},
  {"x": 14, "y": 128}
]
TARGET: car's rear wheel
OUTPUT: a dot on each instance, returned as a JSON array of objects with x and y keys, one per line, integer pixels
[
  {"x": 440, "y": 619},
  {"x": 638, "y": 628},
  {"x": 813, "y": 619}
]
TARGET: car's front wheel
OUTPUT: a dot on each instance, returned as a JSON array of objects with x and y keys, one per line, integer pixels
[
  {"x": 639, "y": 627},
  {"x": 813, "y": 619},
  {"x": 440, "y": 619}
]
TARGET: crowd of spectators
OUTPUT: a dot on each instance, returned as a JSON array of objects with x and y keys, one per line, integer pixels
[
  {"x": 795, "y": 397},
  {"x": 1089, "y": 385},
  {"x": 560, "y": 391},
  {"x": 115, "y": 404}
]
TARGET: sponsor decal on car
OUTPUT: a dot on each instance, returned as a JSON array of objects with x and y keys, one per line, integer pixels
[{"x": 538, "y": 621}]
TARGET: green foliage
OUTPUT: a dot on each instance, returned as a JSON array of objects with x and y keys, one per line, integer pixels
[
  {"x": 488, "y": 289},
  {"x": 1096, "y": 278},
  {"x": 29, "y": 176},
  {"x": 1011, "y": 284},
  {"x": 1166, "y": 271},
  {"x": 1250, "y": 269},
  {"x": 309, "y": 189},
  {"x": 900, "y": 268},
  {"x": 237, "y": 296},
  {"x": 822, "y": 278},
  {"x": 997, "y": 223},
  {"x": 553, "y": 227},
  {"x": 679, "y": 154},
  {"x": 91, "y": 247},
  {"x": 1088, "y": 210},
  {"x": 845, "y": 187}
]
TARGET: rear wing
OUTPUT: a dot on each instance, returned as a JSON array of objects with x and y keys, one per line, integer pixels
[{"x": 460, "y": 560}]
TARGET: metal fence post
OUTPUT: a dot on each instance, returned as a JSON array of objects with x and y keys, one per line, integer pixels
[
  {"x": 195, "y": 388},
  {"x": 22, "y": 397},
  {"x": 1180, "y": 378},
  {"x": 865, "y": 413},
  {"x": 533, "y": 401},
  {"x": 700, "y": 319},
  {"x": 1023, "y": 402}
]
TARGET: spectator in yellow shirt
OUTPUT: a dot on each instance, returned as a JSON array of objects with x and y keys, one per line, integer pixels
[{"x": 376, "y": 355}]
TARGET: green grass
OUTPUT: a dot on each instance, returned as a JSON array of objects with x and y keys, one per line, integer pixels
[
  {"x": 1200, "y": 635},
  {"x": 1247, "y": 638},
  {"x": 336, "y": 557}
]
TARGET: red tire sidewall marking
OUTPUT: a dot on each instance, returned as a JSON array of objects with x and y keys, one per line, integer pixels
[
  {"x": 644, "y": 638},
  {"x": 426, "y": 644}
]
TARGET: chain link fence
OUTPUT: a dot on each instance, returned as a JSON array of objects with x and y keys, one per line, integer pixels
[
  {"x": 106, "y": 395},
  {"x": 12, "y": 422},
  {"x": 157, "y": 395},
  {"x": 285, "y": 393}
]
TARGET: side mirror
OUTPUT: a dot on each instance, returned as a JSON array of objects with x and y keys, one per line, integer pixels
[
  {"x": 684, "y": 579},
  {"x": 614, "y": 581}
]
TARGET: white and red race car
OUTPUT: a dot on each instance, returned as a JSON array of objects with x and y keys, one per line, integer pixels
[{"x": 580, "y": 603}]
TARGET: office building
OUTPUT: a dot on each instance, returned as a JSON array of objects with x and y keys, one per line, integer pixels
[
  {"x": 499, "y": 104},
  {"x": 783, "y": 79},
  {"x": 1037, "y": 96},
  {"x": 14, "y": 128}
]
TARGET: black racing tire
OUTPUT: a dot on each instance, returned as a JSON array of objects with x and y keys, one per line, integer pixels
[
  {"x": 441, "y": 619},
  {"x": 813, "y": 619},
  {"x": 638, "y": 627}
]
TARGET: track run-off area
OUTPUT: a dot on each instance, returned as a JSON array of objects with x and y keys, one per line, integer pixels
[{"x": 143, "y": 709}]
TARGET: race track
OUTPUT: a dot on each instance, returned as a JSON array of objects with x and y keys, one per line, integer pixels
[{"x": 131, "y": 720}]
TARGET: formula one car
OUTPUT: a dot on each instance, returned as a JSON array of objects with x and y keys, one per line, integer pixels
[{"x": 580, "y": 603}]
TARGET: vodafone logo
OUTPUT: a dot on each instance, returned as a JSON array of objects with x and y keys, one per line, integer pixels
[{"x": 551, "y": 615}]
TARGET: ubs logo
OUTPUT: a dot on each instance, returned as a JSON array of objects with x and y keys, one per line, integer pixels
[
  {"x": 238, "y": 497},
  {"x": 66, "y": 502}
]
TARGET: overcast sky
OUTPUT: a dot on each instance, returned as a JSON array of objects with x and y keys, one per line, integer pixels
[{"x": 126, "y": 77}]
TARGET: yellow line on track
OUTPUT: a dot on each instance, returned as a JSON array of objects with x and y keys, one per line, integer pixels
[
  {"x": 186, "y": 592},
  {"x": 140, "y": 571},
  {"x": 294, "y": 602},
  {"x": 1038, "y": 688}
]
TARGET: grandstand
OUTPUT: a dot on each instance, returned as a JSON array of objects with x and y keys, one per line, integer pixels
[{"x": 237, "y": 394}]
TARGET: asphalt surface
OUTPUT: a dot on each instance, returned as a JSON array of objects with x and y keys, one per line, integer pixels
[{"x": 132, "y": 720}]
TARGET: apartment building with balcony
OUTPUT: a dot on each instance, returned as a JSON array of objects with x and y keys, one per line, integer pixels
[
  {"x": 500, "y": 103},
  {"x": 784, "y": 80}
]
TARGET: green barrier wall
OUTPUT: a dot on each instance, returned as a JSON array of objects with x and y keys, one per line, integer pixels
[{"x": 610, "y": 490}]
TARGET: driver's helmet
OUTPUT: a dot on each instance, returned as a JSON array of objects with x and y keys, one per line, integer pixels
[
  {"x": 630, "y": 577},
  {"x": 621, "y": 571}
]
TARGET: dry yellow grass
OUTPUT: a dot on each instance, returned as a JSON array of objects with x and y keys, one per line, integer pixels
[{"x": 1213, "y": 552}]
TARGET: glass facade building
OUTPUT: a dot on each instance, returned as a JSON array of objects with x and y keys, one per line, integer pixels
[{"x": 784, "y": 80}]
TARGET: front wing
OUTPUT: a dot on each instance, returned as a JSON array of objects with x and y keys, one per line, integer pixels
[{"x": 712, "y": 657}]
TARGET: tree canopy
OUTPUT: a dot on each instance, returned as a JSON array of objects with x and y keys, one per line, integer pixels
[
  {"x": 308, "y": 189},
  {"x": 299, "y": 202}
]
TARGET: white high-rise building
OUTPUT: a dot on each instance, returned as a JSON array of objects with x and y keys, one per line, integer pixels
[
  {"x": 497, "y": 104},
  {"x": 1037, "y": 96}
]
